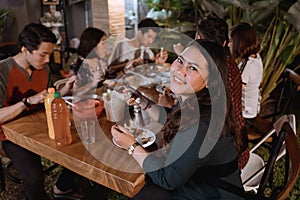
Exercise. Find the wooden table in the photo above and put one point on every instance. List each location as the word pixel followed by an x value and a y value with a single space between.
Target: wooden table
pixel 101 162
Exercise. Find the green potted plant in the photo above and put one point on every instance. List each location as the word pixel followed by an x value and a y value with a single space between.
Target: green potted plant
pixel 46 19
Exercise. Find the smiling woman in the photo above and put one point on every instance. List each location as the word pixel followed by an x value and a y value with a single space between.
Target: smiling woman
pixel 190 160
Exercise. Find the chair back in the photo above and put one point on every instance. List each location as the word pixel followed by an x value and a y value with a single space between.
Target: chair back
pixel 287 137
pixel 291 85
pixel 257 172
pixel 277 144
pixel 292 161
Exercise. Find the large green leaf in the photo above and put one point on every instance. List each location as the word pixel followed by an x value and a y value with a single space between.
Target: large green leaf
pixel 261 13
pixel 215 8
pixel 286 53
pixel 292 15
pixel 244 4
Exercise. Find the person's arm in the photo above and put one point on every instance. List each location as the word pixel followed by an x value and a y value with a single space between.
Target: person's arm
pixel 118 67
pixel 169 171
pixel 126 65
pixel 10 112
pixel 125 139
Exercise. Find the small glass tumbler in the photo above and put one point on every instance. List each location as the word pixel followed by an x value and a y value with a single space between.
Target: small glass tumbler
pixel 88 132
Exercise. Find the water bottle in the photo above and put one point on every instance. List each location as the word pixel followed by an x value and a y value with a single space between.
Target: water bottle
pixel 47 104
pixel 60 119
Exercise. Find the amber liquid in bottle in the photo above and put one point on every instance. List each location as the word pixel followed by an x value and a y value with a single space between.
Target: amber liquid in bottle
pixel 60 119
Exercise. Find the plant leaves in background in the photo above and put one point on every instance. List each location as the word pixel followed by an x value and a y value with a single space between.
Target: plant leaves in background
pixel 261 12
pixel 286 53
pixel 292 15
pixel 215 8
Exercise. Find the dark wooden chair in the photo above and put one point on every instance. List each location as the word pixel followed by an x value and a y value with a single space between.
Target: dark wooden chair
pixel 260 128
pixel 290 87
pixel 284 146
pixel 253 171
pixel 286 139
pixel 292 164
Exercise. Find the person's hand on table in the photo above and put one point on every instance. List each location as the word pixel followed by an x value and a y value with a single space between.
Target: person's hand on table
pixel 38 98
pixel 122 136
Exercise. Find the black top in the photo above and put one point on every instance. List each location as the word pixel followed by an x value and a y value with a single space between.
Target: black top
pixel 190 175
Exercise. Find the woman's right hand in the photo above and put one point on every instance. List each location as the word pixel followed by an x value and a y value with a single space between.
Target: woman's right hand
pixel 122 136
pixel 178 48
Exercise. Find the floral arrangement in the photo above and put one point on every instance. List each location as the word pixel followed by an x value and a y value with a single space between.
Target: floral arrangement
pixel 52 20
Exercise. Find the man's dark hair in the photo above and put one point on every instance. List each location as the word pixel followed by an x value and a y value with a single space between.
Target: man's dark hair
pixel 34 34
pixel 214 29
pixel 148 23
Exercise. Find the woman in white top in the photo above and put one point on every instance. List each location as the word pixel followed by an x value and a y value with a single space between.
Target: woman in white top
pixel 244 47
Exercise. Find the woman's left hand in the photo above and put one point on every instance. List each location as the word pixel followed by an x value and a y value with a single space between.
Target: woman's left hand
pixel 122 136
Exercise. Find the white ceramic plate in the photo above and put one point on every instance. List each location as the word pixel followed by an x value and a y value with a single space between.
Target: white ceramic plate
pixel 147 135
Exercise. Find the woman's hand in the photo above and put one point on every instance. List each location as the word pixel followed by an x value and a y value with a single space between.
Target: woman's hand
pixel 122 136
pixel 178 48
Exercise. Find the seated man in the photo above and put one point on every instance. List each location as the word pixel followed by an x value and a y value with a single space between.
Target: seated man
pixel 136 51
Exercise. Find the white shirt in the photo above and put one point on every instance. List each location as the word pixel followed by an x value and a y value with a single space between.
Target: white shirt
pixel 251 78
pixel 123 51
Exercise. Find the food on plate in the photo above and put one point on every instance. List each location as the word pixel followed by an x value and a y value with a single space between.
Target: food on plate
pixel 141 136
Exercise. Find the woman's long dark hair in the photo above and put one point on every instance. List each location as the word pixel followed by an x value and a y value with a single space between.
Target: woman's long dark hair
pixel 244 41
pixel 89 39
pixel 203 98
